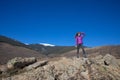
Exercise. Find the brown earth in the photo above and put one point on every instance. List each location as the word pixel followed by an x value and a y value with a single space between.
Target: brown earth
pixel 92 52
pixel 8 52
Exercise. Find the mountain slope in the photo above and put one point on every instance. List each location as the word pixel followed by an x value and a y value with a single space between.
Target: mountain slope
pixel 92 52
pixel 11 41
pixel 8 51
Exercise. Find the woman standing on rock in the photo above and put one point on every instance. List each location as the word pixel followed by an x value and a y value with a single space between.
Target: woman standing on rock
pixel 79 36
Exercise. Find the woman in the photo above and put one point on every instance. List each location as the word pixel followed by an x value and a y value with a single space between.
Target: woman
pixel 79 36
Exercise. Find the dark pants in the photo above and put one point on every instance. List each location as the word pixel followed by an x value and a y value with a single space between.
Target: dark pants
pixel 84 53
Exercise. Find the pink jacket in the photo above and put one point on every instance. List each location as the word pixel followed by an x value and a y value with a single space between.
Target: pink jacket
pixel 79 39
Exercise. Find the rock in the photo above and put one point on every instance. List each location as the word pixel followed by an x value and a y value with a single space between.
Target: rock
pixel 36 65
pixel 72 69
pixel 107 60
pixel 8 78
pixel 98 60
pixel 19 62
pixel 3 69
pixel 110 60
pixel 0 72
pixel 85 75
pixel 98 57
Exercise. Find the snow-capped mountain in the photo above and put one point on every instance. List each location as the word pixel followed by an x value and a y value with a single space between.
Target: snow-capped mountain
pixel 46 44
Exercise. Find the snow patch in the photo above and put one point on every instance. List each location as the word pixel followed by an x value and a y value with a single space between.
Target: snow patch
pixel 26 43
pixel 46 44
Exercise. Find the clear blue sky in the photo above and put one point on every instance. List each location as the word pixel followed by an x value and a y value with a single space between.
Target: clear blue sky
pixel 57 21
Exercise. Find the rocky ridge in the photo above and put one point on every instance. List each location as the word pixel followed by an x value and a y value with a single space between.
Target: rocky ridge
pixel 97 68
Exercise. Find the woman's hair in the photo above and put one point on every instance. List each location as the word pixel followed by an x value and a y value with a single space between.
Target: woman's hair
pixel 77 34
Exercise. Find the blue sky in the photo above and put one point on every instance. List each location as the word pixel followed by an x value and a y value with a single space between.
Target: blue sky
pixel 57 21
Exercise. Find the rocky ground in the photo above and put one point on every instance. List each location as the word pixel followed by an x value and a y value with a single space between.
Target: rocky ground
pixel 97 68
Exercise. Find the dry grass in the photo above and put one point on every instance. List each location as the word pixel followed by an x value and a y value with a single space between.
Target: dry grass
pixel 92 52
pixel 8 52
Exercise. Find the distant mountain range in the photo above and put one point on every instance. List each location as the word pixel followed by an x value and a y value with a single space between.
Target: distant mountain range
pixel 48 50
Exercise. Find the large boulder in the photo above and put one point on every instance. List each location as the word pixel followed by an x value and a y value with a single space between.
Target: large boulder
pixel 20 62
pixel 107 60
pixel 110 60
